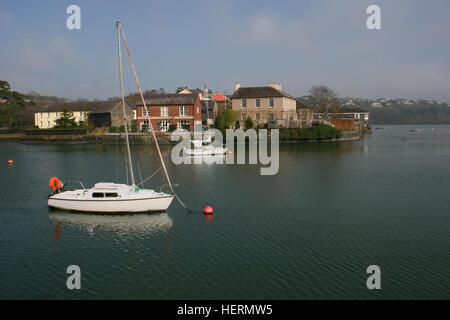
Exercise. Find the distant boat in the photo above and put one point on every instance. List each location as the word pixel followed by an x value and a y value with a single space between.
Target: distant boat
pixel 203 148
pixel 416 130
pixel 112 197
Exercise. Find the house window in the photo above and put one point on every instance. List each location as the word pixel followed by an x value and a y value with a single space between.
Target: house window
pixel 144 123
pixel 244 117
pixel 56 114
pixel 183 110
pixel 244 103
pixel 198 110
pixel 41 124
pixel 271 116
pixel 144 113
pixel 258 103
pixel 271 103
pixel 48 114
pixel 164 111
pixel 182 123
pixel 164 126
pixel 258 117
pixel 48 124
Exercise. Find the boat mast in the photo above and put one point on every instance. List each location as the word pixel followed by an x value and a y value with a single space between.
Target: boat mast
pixel 130 165
pixel 148 114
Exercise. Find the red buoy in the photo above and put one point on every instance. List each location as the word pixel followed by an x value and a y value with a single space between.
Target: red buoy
pixel 208 210
pixel 10 162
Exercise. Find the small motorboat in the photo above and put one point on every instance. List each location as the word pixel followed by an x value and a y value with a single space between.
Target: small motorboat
pixel 205 151
pixel 416 130
pixel 204 148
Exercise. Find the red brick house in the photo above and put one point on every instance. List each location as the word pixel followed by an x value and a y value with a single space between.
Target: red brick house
pixel 166 109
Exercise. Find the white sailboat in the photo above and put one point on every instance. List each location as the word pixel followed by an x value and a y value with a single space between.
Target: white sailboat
pixel 112 197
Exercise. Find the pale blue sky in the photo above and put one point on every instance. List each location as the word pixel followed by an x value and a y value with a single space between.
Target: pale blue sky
pixel 193 43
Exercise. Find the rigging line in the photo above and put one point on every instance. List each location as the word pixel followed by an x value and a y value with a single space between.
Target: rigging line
pixel 146 110
pixel 98 79
pixel 140 176
pixel 142 183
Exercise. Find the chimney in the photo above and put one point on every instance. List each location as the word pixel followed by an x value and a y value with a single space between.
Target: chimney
pixel 275 85
pixel 236 86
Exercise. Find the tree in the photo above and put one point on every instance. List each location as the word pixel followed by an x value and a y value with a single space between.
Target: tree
pixel 249 123
pixel 66 120
pixel 324 100
pixel 11 102
pixel 226 119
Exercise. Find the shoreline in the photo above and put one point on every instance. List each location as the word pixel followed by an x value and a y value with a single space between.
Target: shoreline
pixel 134 139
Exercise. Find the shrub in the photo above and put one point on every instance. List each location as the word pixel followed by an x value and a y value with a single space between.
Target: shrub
pixel 249 123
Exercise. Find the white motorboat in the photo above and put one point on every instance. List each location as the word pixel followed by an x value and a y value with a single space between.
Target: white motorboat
pixel 204 148
pixel 111 197
pixel 205 151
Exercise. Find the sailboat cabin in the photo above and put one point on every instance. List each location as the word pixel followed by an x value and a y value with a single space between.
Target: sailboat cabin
pixel 178 110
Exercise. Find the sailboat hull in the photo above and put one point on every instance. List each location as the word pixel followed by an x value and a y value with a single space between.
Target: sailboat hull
pixel 111 206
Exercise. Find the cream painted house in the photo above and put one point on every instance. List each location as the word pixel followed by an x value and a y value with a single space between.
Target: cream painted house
pixel 46 119
pixel 264 104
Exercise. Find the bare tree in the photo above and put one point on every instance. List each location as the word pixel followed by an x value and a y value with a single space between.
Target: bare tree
pixel 324 100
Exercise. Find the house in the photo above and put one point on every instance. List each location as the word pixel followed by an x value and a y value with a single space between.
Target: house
pixel 263 105
pixel 98 113
pixel 305 115
pixel 218 97
pixel 204 95
pixel 170 109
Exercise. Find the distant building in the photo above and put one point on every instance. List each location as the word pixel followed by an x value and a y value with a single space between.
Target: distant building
pixel 305 115
pixel 170 109
pixel 204 95
pixel 99 113
pixel 263 105
pixel 218 97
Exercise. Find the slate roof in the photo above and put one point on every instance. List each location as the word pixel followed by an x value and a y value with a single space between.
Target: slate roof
pixel 260 92
pixel 169 99
pixel 91 106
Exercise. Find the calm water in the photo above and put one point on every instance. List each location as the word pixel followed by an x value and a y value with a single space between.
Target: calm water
pixel 308 232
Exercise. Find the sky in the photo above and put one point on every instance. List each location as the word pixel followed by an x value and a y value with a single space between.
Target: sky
pixel 216 43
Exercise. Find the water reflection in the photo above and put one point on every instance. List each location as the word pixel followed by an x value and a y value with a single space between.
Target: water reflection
pixel 121 224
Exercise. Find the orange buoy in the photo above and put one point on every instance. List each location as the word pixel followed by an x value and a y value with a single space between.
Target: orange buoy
pixel 53 181
pixel 208 210
pixel 10 162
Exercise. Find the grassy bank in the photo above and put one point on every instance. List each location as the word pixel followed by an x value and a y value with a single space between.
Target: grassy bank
pixel 314 133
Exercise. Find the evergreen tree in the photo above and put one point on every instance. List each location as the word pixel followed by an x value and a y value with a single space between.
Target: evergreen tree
pixel 66 120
